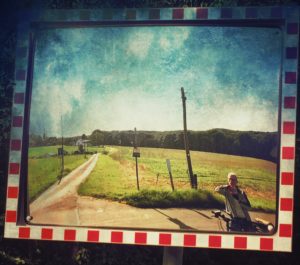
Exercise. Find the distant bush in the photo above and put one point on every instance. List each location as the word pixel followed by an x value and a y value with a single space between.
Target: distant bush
pixel 105 152
pixel 117 156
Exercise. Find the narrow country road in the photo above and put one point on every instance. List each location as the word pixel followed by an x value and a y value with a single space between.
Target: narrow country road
pixel 64 193
pixel 61 205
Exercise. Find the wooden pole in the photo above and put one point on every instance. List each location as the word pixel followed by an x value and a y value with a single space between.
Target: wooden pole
pixel 137 173
pixel 62 151
pixel 135 138
pixel 186 140
pixel 170 173
pixel 136 161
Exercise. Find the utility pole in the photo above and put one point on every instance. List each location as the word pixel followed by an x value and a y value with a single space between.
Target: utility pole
pixel 186 143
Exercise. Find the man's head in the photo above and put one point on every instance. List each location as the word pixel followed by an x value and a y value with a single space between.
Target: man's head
pixel 232 179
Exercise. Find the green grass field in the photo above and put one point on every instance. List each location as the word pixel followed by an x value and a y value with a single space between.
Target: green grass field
pixel 114 178
pixel 43 172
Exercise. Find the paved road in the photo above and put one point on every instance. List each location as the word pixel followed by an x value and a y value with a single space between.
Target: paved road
pixel 62 195
pixel 61 205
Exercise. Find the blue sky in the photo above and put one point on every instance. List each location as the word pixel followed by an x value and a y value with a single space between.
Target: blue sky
pixel 118 78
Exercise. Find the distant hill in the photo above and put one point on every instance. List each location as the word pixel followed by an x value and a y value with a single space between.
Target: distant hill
pixel 244 143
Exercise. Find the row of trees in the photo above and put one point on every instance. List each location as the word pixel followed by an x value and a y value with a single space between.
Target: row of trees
pixel 253 144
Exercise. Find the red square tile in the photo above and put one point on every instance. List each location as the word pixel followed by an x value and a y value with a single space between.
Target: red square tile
pixel 165 239
pixel 15 145
pixel 287 178
pixel 47 233
pixel 70 235
pixel 131 14
pixel 291 52
pixel 251 12
pixel 116 237
pixel 290 77
pixel 215 241
pixel 93 236
pixel 202 13
pixel 14 168
pixel 276 12
pixel 266 244
pixel 286 204
pixel 288 152
pixel 11 216
pixel 290 102
pixel 12 192
pixel 289 127
pixel 285 230
pixel 178 13
pixel 189 240
pixel 17 121
pixel 226 12
pixel 19 98
pixel 240 242
pixel 292 28
pixel 24 232
pixel 140 238
pixel 21 75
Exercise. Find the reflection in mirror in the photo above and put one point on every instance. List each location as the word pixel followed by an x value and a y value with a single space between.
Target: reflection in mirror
pixel 107 143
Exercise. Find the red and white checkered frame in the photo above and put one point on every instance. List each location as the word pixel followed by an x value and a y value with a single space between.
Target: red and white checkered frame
pixel 280 241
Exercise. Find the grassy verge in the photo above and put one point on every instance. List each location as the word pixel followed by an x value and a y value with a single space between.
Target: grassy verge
pixel 114 178
pixel 43 172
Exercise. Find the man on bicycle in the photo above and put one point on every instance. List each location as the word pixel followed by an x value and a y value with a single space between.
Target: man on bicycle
pixel 237 205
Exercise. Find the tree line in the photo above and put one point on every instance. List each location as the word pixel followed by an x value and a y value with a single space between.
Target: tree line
pixel 261 145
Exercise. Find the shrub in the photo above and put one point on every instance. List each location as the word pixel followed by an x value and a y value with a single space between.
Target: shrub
pixel 166 199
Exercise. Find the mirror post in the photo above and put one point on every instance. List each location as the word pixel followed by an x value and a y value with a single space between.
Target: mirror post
pixel 172 256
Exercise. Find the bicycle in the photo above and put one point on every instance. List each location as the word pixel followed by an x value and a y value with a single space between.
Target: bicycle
pixel 240 225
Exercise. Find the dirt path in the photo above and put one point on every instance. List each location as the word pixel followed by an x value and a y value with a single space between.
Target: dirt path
pixel 63 194
pixel 61 205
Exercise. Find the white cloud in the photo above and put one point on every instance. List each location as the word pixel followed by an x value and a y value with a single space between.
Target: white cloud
pixel 165 43
pixel 128 109
pixel 234 114
pixel 139 44
pixel 173 38
pixel 51 101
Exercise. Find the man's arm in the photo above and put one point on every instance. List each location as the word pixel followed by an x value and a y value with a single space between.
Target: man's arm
pixel 222 189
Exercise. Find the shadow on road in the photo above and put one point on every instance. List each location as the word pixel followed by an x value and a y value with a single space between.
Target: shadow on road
pixel 176 221
pixel 202 214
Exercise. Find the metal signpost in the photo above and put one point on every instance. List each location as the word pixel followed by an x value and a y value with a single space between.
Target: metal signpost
pixel 170 173
pixel 136 153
